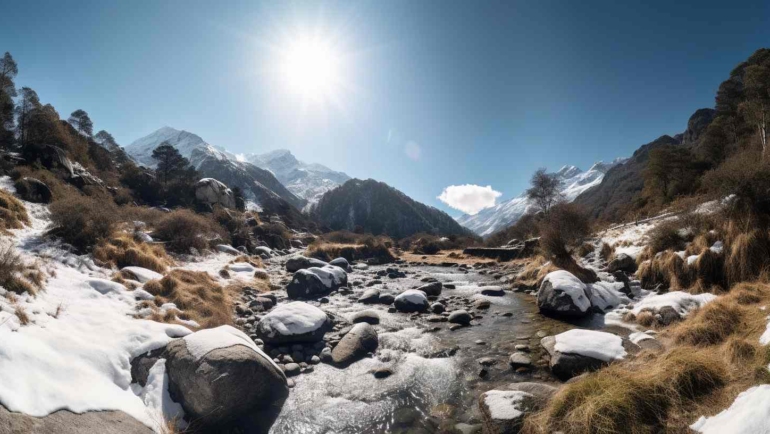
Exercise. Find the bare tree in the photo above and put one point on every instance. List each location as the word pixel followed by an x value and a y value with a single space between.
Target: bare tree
pixel 545 191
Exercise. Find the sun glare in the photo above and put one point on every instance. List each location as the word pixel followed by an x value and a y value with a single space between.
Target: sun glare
pixel 312 69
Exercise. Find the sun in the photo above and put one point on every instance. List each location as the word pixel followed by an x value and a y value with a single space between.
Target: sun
pixel 311 68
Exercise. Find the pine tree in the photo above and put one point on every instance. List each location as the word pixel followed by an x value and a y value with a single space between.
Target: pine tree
pixel 81 122
pixel 172 165
pixel 27 104
pixel 8 71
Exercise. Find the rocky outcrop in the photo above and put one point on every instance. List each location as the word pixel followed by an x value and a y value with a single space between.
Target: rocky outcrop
pixel 697 124
pixel 222 380
pixel 211 192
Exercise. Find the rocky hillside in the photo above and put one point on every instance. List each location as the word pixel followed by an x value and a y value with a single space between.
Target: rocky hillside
pixel 257 184
pixel 307 181
pixel 623 184
pixel 498 217
pixel 380 209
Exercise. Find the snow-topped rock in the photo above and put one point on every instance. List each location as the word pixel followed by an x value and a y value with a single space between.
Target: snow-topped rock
pixel 681 302
pixel 563 294
pixel 142 275
pixel 316 281
pixel 411 300
pixel 576 351
pixel 293 322
pixel 212 192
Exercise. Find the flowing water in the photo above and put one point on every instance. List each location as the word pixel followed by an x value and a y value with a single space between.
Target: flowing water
pixel 436 374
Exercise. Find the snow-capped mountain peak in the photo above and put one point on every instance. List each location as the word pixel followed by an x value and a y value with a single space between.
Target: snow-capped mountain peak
pixel 506 213
pixel 184 141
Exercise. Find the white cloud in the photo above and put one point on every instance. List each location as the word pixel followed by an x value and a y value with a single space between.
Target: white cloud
pixel 469 198
pixel 413 150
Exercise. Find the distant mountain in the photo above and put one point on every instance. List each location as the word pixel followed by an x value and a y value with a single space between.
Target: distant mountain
pixel 500 216
pixel 308 181
pixel 380 209
pixel 259 185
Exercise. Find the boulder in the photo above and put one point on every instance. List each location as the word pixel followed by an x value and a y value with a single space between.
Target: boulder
pixel 263 250
pixel 577 351
pixel 230 250
pixel 493 291
pixel 411 300
pixel 209 191
pixel 300 262
pixel 622 262
pixel 431 289
pixel 563 294
pixel 224 381
pixel 367 316
pixel 33 190
pixel 342 263
pixel 460 317
pixel 355 345
pixel 503 410
pixel 371 295
pixel 316 282
pixel 293 322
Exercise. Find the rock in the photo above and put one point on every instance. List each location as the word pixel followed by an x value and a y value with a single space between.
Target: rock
pixel 504 411
pixel 326 355
pixel 367 316
pixel 355 345
pixel 67 422
pixel 622 262
pixel 386 299
pixel 493 291
pixel 141 365
pixel 222 379
pixel 411 300
pixel 577 351
pixel 315 282
pixel 300 262
pixel 263 250
pixel 461 317
pixel 143 237
pixel 342 263
pixel 520 360
pixel 212 192
pixel 437 308
pixel 382 372
pixel 141 275
pixel 622 277
pixel 431 289
pixel 668 315
pixel 563 294
pixel 291 369
pixel 293 322
pixel 33 190
pixel 226 248
pixel 369 296
pixel 481 304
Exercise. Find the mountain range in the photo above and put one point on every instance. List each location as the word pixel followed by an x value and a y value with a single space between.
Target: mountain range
pixel 275 175
pixel 574 181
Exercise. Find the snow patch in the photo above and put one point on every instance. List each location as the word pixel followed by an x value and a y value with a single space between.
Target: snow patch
pixel 505 404
pixel 590 343
pixel 682 302
pixel 748 414
pixel 143 275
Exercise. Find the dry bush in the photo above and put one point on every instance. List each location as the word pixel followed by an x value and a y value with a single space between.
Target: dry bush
pixel 565 228
pixel 83 221
pixel 197 294
pixel 372 248
pixel 17 277
pixel 122 250
pixel 747 293
pixel 533 273
pixel 150 216
pixel 631 398
pixel 585 249
pixel 666 270
pixel 59 188
pixel 748 256
pixel 606 252
pixel 525 228
pixel 254 261
pixel 13 214
pixel 666 236
pixel 183 230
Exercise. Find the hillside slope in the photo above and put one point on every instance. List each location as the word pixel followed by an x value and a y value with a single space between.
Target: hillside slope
pixel 380 209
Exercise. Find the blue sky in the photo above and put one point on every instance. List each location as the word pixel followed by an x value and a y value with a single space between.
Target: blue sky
pixel 434 93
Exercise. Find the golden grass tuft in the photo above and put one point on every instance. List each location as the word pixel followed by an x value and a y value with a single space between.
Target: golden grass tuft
pixel 606 252
pixel 372 248
pixel 16 276
pixel 747 257
pixel 708 271
pixel 533 273
pixel 21 314
pixel 13 214
pixel 666 269
pixel 254 261
pixel 701 243
pixel 585 249
pixel 645 318
pixel 122 250
pixel 197 294
pixel 712 324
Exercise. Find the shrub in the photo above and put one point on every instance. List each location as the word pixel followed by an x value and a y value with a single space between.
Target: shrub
pixel 197 294
pixel 123 250
pixel 564 228
pixel 83 221
pixel 585 249
pixel 183 230
pixel 666 235
pixel 708 271
pixel 13 214
pixel 13 270
pixel 748 256
pixel 606 252
pixel 666 270
pixel 275 235
pixel 372 248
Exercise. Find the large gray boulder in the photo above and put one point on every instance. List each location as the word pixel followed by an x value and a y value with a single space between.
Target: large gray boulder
pixel 316 282
pixel 577 351
pixel 293 322
pixel 503 410
pixel 355 345
pixel 299 262
pixel 411 300
pixel 212 192
pixel 224 381
pixel 563 294
pixel 622 262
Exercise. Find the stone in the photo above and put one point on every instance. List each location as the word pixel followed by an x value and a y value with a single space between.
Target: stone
pixel 493 291
pixel 230 250
pixel 411 300
pixel 503 410
pixel 437 308
pixel 355 345
pixel 225 386
pixel 316 282
pixel 367 316
pixel 520 360
pixel 369 296
pixel 563 294
pixel 212 192
pixel 293 322
pixel 461 317
pixel 386 299
pixel 342 263
pixel 382 372
pixel 431 289
pixel 622 262
pixel 300 262
pixel 482 304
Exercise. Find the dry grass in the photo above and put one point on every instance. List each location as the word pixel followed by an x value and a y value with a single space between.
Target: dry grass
pixel 747 257
pixel 453 256
pixel 16 276
pixel 197 294
pixel 666 236
pixel 712 324
pixel 701 243
pixel 533 273
pixel 83 221
pixel 123 250
pixel 184 230
pixel 606 252
pixel 21 314
pixel 585 249
pixel 371 249
pixel 13 214
pixel 708 272
pixel 666 270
